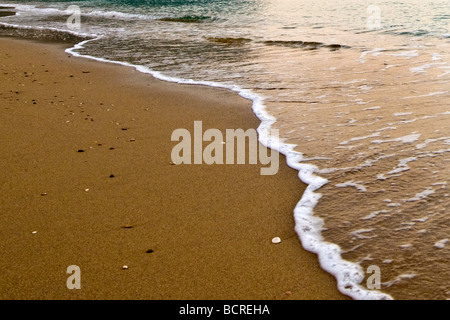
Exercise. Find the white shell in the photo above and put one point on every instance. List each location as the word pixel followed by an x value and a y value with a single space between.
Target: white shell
pixel 276 240
pixel 125 267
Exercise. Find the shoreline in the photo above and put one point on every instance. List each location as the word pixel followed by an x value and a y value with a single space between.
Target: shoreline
pixel 229 256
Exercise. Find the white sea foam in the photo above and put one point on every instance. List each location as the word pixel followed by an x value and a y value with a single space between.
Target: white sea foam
pixel 407 54
pixel 375 52
pixel 399 279
pixel 374 214
pixel 427 95
pixel 373 135
pixel 422 68
pixel 119 15
pixel 372 108
pixel 354 184
pixel 436 56
pixel 360 233
pixel 428 141
pixel 399 114
pixel 402 165
pixel 405 139
pixel 441 243
pixel 421 195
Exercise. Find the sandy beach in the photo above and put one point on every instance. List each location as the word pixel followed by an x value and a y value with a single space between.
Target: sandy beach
pixel 87 181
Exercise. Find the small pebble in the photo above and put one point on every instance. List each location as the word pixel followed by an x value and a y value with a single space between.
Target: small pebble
pixel 127 226
pixel 80 150
pixel 125 267
pixel 111 176
pixel 288 293
pixel 43 194
pixel 276 240
pixel 149 251
pixel 34 232
pixel 86 190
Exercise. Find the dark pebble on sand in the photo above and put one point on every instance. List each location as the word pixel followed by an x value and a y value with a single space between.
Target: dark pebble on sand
pixel 149 251
pixel 111 176
pixel 80 150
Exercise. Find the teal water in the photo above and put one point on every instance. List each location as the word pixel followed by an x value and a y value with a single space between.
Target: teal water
pixel 359 89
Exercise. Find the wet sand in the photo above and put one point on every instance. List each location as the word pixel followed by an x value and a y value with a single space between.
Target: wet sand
pixel 87 181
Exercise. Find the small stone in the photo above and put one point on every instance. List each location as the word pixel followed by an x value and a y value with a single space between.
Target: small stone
pixel 132 140
pixel 149 251
pixel 172 163
pixel 80 150
pixel 125 267
pixel 288 293
pixel 43 194
pixel 127 226
pixel 34 232
pixel 276 240
pixel 86 190
pixel 111 176
pixel 111 148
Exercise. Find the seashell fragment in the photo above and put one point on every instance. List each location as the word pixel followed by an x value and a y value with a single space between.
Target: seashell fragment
pixel 276 240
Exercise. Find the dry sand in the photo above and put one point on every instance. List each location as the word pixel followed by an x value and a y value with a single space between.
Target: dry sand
pixel 209 227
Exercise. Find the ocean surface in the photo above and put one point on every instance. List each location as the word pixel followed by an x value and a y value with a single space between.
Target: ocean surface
pixel 359 91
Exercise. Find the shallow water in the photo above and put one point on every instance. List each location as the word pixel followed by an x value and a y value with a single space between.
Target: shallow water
pixel 364 103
